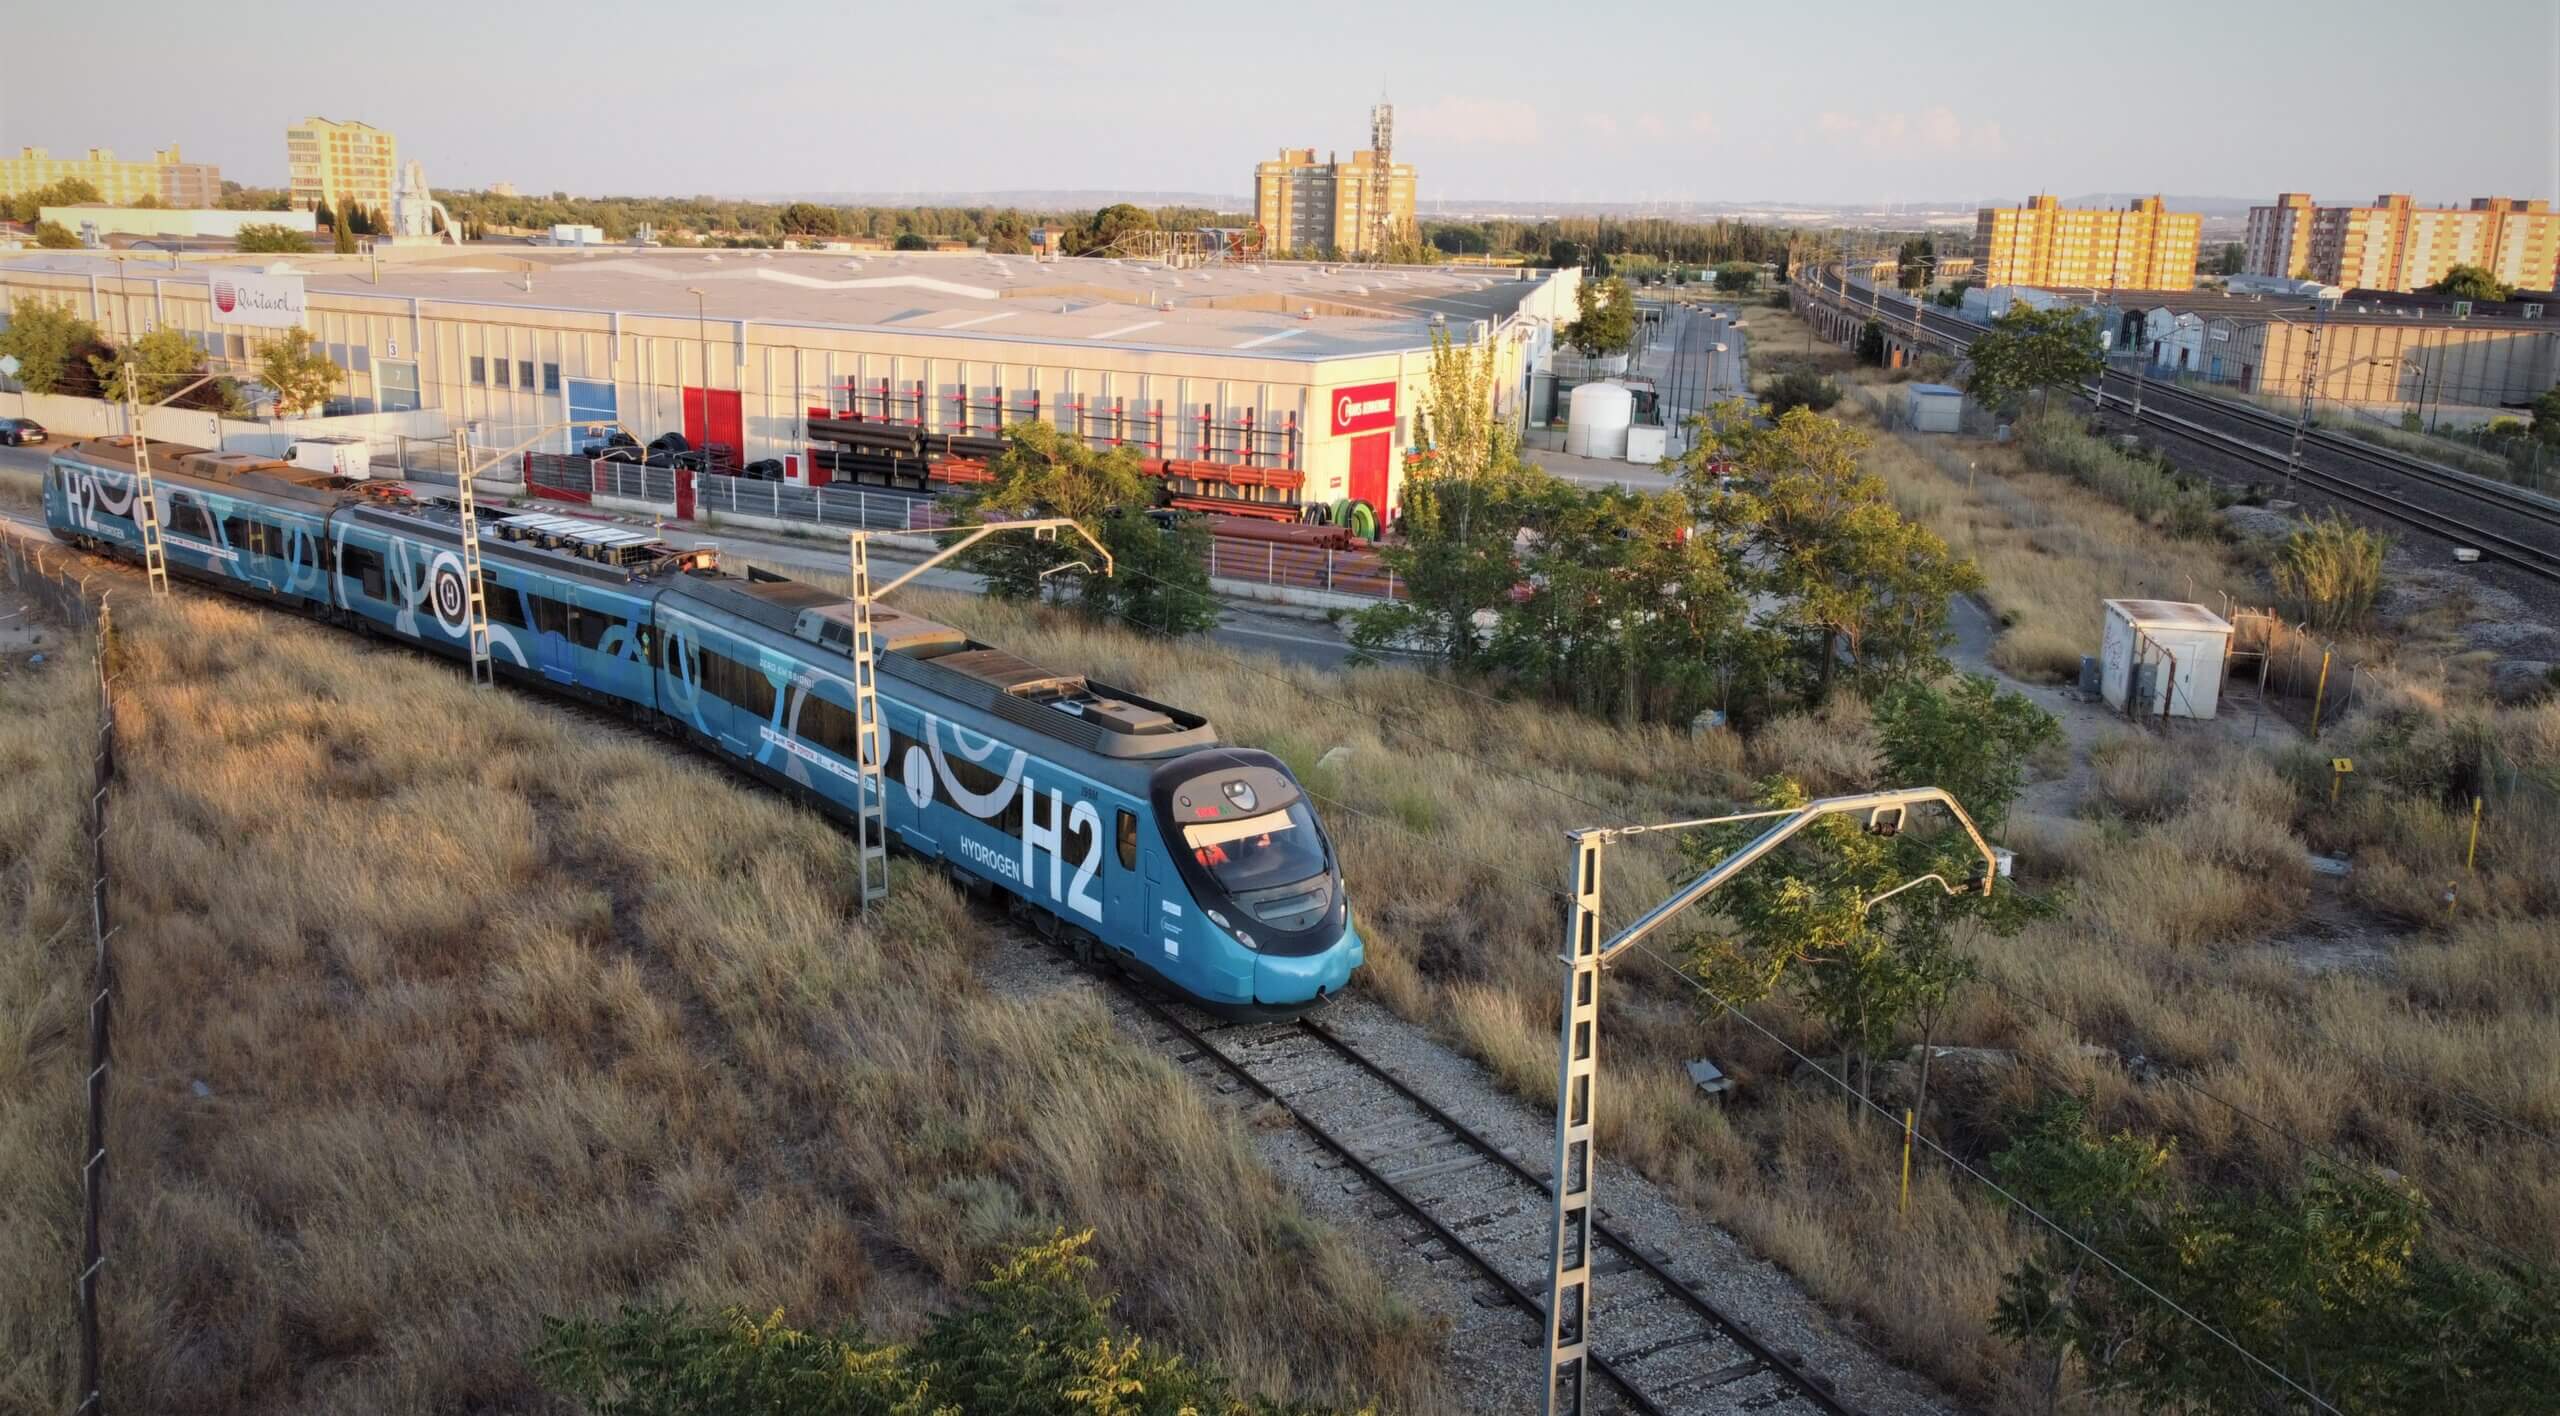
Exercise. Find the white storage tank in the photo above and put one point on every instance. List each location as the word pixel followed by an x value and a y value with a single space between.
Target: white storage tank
pixel 1596 420
pixel 1935 408
pixel 2164 657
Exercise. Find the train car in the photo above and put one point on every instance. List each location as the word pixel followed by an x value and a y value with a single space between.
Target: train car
pixel 1109 819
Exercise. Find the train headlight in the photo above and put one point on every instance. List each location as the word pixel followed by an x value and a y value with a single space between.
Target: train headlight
pixel 1241 937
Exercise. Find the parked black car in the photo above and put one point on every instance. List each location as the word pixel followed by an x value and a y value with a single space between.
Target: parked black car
pixel 18 432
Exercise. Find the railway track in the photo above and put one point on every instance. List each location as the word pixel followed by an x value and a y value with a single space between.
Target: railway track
pixel 1662 1348
pixel 2344 469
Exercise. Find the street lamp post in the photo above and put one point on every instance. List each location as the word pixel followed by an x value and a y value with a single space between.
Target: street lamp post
pixel 702 337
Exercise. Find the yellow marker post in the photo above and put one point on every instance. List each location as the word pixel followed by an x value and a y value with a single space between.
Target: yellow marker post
pixel 1906 1159
pixel 2473 852
pixel 2339 767
pixel 2321 695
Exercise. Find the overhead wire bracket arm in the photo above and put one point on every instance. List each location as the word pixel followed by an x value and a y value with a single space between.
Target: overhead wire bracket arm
pixel 1037 525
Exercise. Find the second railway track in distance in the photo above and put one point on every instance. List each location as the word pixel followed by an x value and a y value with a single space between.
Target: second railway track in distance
pixel 1662 1348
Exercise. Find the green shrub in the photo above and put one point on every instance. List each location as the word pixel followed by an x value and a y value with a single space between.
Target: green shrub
pixel 2170 500
pixel 1800 389
pixel 2329 572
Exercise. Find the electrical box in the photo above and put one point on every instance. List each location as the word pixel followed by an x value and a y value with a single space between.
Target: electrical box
pixel 2163 658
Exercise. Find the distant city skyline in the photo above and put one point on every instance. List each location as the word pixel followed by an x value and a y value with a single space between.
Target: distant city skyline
pixel 1498 101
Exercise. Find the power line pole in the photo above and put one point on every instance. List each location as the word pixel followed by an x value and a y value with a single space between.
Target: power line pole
pixel 1570 1274
pixel 2310 390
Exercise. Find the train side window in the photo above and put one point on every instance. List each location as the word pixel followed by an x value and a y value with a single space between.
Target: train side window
pixel 549 615
pixel 186 518
pixel 504 607
pixel 828 725
pixel 587 628
pixel 1128 840
pixel 754 693
pixel 363 564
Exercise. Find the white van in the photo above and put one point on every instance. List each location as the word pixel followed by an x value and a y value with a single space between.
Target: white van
pixel 340 456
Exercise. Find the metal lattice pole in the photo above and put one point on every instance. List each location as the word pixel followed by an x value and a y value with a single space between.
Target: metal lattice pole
pixel 146 500
pixel 873 817
pixel 2310 390
pixel 475 601
pixel 1578 1044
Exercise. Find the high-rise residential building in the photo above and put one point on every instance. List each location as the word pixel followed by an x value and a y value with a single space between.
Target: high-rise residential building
pixel 2141 246
pixel 341 162
pixel 167 176
pixel 2395 244
pixel 1354 208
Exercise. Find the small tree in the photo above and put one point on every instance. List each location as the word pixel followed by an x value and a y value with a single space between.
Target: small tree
pixel 1916 262
pixel 2028 350
pixel 1871 343
pixel 271 236
pixel 301 376
pixel 164 361
pixel 321 215
pixel 27 206
pixel 1159 581
pixel 54 236
pixel 1045 472
pixel 343 238
pixel 1606 318
pixel 1969 736
pixel 1737 278
pixel 2546 417
pixel 55 348
pixel 2470 282
pixel 2232 259
pixel 810 219
pixel 910 241
pixel 1105 228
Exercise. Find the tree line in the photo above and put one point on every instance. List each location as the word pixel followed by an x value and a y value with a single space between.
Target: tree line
pixel 59 352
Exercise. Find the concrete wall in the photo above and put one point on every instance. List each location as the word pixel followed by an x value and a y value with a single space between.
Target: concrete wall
pixel 68 418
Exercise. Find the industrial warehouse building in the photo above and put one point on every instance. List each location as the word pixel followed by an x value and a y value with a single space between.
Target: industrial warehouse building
pixel 1304 377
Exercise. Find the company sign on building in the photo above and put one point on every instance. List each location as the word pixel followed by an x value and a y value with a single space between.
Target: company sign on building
pixel 248 298
pixel 1362 407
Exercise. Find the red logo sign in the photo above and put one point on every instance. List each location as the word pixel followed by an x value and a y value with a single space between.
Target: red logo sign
pixel 226 298
pixel 1363 407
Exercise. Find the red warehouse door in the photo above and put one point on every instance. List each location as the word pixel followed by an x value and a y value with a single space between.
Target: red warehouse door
pixel 1369 458
pixel 722 426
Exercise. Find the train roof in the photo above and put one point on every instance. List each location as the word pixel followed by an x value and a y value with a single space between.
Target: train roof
pixel 1068 707
pixel 247 471
pixel 567 545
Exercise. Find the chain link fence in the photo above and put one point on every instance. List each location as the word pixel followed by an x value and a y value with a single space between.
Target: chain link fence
pixel 52 580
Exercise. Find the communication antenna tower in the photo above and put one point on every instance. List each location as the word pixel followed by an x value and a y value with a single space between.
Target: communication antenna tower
pixel 1382 144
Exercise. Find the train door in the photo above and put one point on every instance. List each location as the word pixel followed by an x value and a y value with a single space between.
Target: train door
pixel 1125 892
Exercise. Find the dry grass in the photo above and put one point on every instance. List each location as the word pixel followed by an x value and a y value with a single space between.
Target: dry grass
pixel 47 714
pixel 21 488
pixel 2050 551
pixel 502 1012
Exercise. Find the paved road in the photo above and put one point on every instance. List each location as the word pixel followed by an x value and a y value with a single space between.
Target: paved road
pixel 1691 370
pixel 1245 628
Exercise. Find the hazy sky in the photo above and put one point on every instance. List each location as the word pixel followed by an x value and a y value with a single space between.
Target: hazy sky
pixel 2343 98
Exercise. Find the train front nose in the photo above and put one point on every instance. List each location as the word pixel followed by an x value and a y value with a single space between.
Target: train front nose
pixel 1283 979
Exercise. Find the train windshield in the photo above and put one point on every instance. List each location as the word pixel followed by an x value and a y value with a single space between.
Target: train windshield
pixel 1275 848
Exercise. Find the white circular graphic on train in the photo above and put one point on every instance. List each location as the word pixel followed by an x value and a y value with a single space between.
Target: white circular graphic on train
pixel 452 604
pixel 917 770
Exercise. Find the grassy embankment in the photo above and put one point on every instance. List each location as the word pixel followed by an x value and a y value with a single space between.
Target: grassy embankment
pixel 48 715
pixel 501 1012
pixel 2180 867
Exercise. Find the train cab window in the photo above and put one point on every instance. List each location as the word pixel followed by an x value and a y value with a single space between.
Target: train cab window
pixel 1128 840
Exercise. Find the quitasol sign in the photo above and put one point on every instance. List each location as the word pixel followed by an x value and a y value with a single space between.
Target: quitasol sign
pixel 247 298
pixel 1363 407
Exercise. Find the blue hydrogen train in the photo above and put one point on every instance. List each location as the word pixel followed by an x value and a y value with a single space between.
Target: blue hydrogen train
pixel 1110 818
